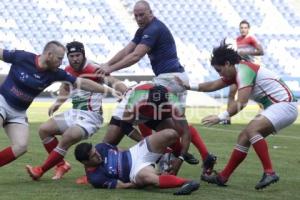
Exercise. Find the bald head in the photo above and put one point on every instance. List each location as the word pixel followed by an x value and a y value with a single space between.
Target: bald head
pixel 142 5
pixel 52 45
pixel 142 13
pixel 52 55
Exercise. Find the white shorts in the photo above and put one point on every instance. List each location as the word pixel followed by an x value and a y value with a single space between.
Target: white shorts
pixel 120 109
pixel 88 120
pixel 11 115
pixel 141 157
pixel 168 80
pixel 281 114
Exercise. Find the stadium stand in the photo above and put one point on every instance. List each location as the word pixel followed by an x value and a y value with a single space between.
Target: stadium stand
pixel 197 25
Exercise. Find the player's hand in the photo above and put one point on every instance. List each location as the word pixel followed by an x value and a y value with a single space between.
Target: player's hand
pixel 175 166
pixel 210 120
pixel 53 109
pixel 103 69
pixel 181 83
pixel 100 75
pixel 117 94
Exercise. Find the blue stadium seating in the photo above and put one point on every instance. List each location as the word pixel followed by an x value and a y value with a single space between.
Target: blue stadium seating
pixel 197 26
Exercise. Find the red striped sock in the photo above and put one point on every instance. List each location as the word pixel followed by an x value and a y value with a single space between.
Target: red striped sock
pixel 235 160
pixel 53 159
pixel 171 181
pixel 6 156
pixel 198 142
pixel 50 144
pixel 261 148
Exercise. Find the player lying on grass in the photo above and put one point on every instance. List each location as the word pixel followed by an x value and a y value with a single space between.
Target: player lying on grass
pixel 261 85
pixel 108 167
pixel 208 159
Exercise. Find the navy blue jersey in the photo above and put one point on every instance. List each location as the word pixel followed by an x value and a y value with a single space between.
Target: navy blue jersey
pixel 163 54
pixel 116 166
pixel 26 79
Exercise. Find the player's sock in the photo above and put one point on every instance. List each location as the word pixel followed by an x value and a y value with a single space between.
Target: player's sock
pixel 176 148
pixel 238 155
pixel 6 156
pixel 171 181
pixel 198 142
pixel 145 130
pixel 55 157
pixel 50 143
pixel 261 148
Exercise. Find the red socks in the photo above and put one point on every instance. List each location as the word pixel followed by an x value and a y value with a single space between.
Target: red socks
pixel 6 156
pixel 55 157
pixel 238 155
pixel 261 148
pixel 198 142
pixel 171 181
pixel 50 143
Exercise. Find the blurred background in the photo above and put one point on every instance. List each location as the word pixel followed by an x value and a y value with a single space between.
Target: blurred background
pixel 105 26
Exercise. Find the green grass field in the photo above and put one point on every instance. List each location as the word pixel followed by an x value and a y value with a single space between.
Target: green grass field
pixel 284 148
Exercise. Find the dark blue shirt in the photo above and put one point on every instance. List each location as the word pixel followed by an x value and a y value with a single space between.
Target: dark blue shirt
pixel 26 79
pixel 163 54
pixel 116 166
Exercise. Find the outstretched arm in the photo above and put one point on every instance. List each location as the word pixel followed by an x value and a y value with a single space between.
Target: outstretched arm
pixel 234 108
pixel 122 53
pixel 116 84
pixel 130 59
pixel 92 86
pixel 209 86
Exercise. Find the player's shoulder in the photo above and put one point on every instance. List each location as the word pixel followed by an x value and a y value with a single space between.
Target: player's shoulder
pixel 155 25
pixel 68 68
pixel 21 54
pixel 251 37
pixel 90 66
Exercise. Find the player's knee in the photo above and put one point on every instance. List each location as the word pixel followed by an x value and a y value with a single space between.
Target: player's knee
pixel 243 137
pixel 44 131
pixel 143 180
pixel 247 133
pixel 171 134
pixel 19 149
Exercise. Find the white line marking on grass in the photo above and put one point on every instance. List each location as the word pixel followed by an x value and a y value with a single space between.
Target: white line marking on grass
pixel 235 131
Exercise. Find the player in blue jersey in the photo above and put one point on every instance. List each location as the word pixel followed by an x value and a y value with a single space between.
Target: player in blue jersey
pixel 108 167
pixel 155 39
pixel 29 75
pixel 80 122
